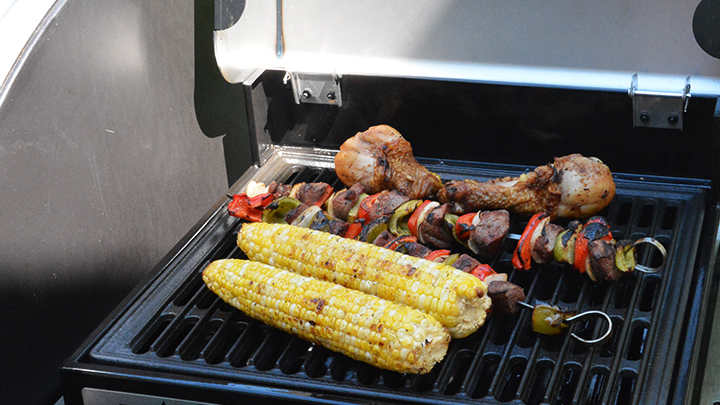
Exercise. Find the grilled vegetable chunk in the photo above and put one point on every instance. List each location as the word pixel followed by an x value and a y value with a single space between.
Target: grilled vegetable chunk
pixel 359 325
pixel 457 299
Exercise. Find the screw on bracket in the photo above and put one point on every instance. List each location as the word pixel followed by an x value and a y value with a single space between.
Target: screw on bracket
pixel 644 116
pixel 331 96
pixel 673 119
pixel 307 93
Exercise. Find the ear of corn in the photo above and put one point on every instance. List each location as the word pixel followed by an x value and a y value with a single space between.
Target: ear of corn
pixel 359 325
pixel 457 299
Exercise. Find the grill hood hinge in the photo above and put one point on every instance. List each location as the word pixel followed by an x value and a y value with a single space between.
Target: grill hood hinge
pixel 659 109
pixel 315 88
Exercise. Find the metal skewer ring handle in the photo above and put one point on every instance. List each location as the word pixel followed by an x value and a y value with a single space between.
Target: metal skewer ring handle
pixel 582 316
pixel 659 246
pixel 589 314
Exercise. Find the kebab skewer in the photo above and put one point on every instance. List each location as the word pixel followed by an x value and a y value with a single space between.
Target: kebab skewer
pixel 588 248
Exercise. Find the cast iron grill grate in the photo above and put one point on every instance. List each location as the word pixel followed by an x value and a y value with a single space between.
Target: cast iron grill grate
pixel 182 327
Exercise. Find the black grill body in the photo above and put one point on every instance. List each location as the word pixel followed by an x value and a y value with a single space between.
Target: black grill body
pixel 174 339
pixel 176 328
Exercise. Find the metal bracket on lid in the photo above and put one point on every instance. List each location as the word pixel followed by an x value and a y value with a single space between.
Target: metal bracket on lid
pixel 659 109
pixel 315 88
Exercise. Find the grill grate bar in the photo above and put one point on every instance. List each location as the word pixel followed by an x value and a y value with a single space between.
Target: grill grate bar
pixel 591 364
pixel 638 225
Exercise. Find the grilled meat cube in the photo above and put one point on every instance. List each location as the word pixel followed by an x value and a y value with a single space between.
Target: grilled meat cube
pixel 489 233
pixel 505 297
pixel 338 227
pixel 279 190
pixel 602 261
pixel 413 249
pixel 294 213
pixel 432 230
pixel 385 204
pixel 542 250
pixel 311 193
pixel 466 263
pixel 384 239
pixel 503 294
pixel 343 201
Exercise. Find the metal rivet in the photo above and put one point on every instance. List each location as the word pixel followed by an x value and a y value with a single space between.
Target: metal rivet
pixel 331 96
pixel 673 119
pixel 307 93
pixel 644 116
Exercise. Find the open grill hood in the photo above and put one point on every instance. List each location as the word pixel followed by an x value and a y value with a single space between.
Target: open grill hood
pixel 586 45
pixel 466 116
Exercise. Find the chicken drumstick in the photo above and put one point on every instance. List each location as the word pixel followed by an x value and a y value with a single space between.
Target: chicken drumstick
pixel 574 186
pixel 381 159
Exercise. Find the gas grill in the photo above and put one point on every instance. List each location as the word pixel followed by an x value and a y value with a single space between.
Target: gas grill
pixel 175 341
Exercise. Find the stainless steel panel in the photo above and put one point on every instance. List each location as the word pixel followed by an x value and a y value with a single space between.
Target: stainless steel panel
pixel 584 44
pixel 104 166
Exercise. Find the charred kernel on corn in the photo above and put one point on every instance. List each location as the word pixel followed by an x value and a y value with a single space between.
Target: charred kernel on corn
pixel 455 298
pixel 409 341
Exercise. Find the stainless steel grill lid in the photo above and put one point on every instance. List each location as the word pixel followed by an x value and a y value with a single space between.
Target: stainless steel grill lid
pixel 583 45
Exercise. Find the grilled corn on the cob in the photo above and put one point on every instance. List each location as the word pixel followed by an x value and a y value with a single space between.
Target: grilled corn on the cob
pixel 359 325
pixel 455 298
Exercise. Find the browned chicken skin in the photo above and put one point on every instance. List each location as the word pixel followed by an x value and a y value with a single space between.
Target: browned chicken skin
pixel 381 159
pixel 573 186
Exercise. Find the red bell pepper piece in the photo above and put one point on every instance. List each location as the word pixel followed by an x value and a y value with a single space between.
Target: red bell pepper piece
pixel 583 239
pixel 260 200
pixel 464 226
pixel 249 208
pixel 328 192
pixel 436 254
pixel 413 221
pixel 354 230
pixel 400 240
pixel 581 253
pixel 365 205
pixel 482 271
pixel 522 257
